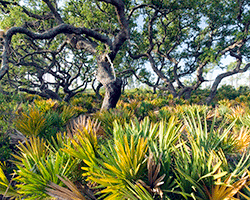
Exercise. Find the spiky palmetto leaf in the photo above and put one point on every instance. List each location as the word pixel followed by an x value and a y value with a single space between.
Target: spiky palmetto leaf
pixel 200 174
pixel 245 120
pixel 120 163
pixel 91 127
pixel 154 181
pixel 208 136
pixel 85 122
pixel 67 113
pixel 135 128
pixel 6 188
pixel 108 117
pixel 222 190
pixel 46 105
pixel 245 192
pixel 38 164
pixel 33 149
pixel 243 138
pixel 57 143
pixel 161 137
pixel 236 113
pixel 136 192
pixel 191 164
pixel 168 135
pixel 31 124
pixel 192 109
pixel 72 192
pixel 84 144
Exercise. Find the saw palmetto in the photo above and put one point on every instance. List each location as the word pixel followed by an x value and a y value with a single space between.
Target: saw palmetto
pixel 154 181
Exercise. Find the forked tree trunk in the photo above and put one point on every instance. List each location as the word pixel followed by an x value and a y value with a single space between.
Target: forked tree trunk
pixel 51 94
pixel 187 94
pixel 219 78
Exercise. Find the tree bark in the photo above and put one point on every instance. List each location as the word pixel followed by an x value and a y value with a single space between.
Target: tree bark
pixel 52 95
pixel 187 93
pixel 97 90
pixel 69 96
pixel 215 85
pixel 112 94
pixel 106 76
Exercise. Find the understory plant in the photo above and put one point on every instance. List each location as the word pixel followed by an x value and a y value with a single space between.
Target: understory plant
pixel 196 153
pixel 38 163
pixel 44 118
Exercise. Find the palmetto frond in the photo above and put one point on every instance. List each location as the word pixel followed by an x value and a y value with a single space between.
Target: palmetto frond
pixel 119 164
pixel 72 192
pixel 83 122
pixel 6 188
pixel 154 181
pixel 242 138
pixel 38 164
pixel 224 190
pixel 31 124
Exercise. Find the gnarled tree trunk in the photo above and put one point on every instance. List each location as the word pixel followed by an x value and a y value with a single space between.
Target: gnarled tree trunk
pixel 106 76
pixel 112 94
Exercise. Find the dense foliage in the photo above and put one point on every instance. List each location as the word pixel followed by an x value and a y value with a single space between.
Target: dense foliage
pixel 151 146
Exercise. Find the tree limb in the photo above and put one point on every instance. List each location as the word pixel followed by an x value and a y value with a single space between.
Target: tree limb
pixel 63 28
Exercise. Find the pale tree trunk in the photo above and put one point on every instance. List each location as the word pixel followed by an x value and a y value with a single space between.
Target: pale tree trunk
pixel 106 76
pixel 112 94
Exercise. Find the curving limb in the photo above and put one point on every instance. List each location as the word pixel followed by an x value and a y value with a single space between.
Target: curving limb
pixel 61 29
